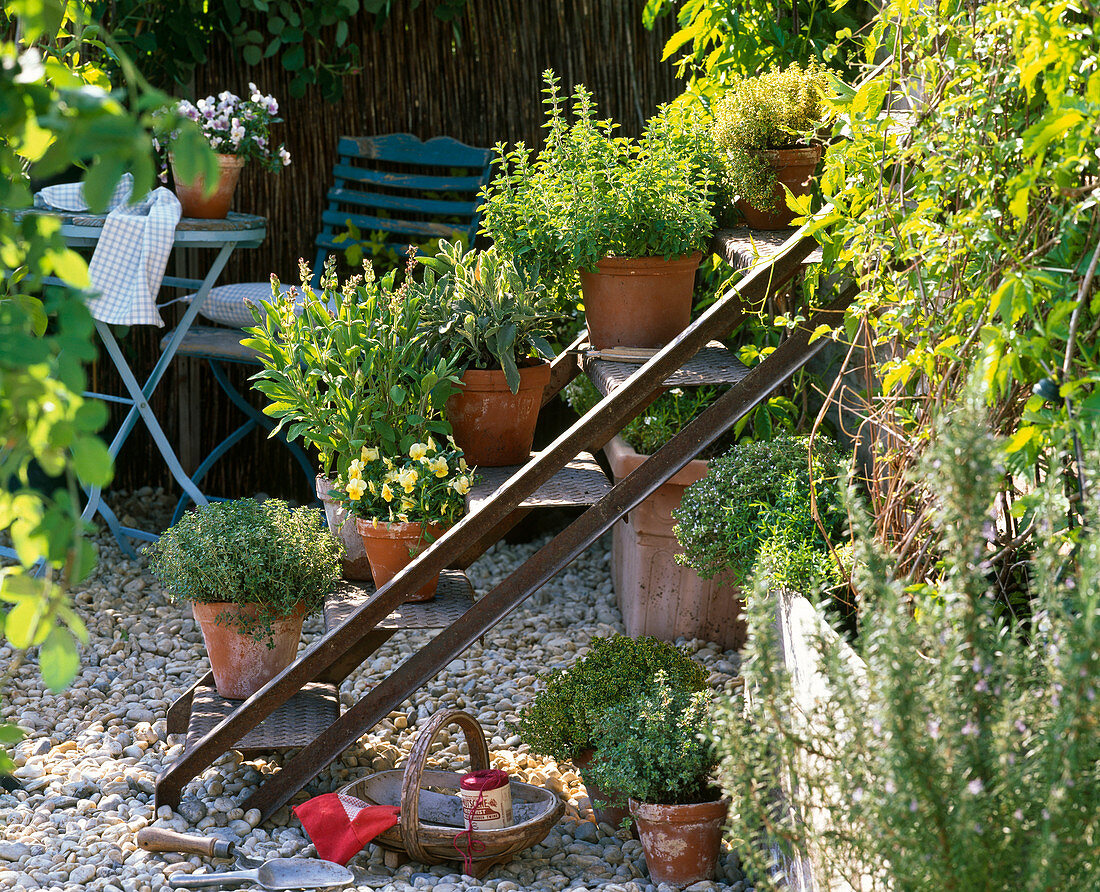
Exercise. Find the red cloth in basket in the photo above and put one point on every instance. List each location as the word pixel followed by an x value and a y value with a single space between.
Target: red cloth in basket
pixel 340 826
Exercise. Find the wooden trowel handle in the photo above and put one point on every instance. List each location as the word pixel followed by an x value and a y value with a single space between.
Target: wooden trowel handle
pixel 157 839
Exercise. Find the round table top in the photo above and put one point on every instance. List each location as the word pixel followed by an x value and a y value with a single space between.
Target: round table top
pixel 83 229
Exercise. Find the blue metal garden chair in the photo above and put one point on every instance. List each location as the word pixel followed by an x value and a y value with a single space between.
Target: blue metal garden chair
pixel 388 190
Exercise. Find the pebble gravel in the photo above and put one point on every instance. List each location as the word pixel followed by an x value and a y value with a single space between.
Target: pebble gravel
pixel 88 764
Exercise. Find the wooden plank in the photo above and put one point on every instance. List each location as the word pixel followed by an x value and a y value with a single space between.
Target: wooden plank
pixel 439 151
pixel 407 203
pixel 746 249
pixel 419 182
pixel 368 223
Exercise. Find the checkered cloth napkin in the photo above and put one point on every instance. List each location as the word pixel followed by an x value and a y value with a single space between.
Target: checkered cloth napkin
pixel 128 263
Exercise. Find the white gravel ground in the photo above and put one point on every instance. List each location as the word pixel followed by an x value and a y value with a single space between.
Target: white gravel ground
pixel 92 753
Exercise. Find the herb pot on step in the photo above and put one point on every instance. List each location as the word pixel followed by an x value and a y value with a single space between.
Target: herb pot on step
pixel 391 547
pixel 354 564
pixel 605 814
pixel 681 842
pixel 794 168
pixel 492 425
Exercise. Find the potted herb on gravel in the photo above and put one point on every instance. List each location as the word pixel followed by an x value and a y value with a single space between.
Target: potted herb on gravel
pixel 766 128
pixel 492 320
pixel 656 750
pixel 347 368
pixel 252 572
pixel 402 502
pixel 631 216
pixel 562 720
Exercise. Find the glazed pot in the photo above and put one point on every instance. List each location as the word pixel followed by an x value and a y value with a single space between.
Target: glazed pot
pixel 242 665
pixel 638 301
pixel 794 168
pixel 215 206
pixel 681 842
pixel 492 425
pixel 354 563
pixel 605 814
pixel 391 547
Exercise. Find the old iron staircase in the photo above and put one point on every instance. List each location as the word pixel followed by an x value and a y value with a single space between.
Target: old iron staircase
pixel 300 707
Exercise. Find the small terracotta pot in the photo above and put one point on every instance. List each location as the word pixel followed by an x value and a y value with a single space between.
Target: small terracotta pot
pixel 242 665
pixel 193 197
pixel 391 547
pixel 681 842
pixel 492 425
pixel 605 814
pixel 638 301
pixel 794 168
pixel 354 563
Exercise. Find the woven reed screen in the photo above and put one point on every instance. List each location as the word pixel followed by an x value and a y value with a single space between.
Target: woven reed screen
pixel 415 77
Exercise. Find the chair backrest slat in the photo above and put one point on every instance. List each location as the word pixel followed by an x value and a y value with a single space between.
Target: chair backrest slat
pixel 405 148
pixel 355 198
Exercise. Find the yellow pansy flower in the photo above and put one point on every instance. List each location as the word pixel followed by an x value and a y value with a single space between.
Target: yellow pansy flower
pixel 369 454
pixel 371 486
pixel 407 505
pixel 356 488
pixel 462 466
pixel 431 444
pixel 418 451
pixel 355 470
pixel 438 466
pixel 387 493
pixel 408 479
pixel 391 476
pixel 461 485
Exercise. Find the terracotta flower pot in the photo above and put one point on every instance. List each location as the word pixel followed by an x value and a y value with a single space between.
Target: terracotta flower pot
pixel 354 563
pixel 391 547
pixel 241 664
pixel 794 168
pixel 605 814
pixel 492 425
pixel 193 197
pixel 681 842
pixel 638 301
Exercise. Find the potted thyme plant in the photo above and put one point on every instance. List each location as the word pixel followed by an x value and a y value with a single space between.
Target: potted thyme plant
pixel 239 131
pixel 766 127
pixel 655 750
pixel 252 572
pixel 631 216
pixel 562 720
pixel 494 321
pixel 347 368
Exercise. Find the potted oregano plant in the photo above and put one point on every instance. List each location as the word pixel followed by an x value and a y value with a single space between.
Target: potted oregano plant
pixel 562 720
pixel 766 127
pixel 630 216
pixel 656 751
pixel 252 572
pixel 493 321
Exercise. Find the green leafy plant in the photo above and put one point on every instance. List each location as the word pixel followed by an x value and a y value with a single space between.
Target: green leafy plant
pixel 484 313
pixel 780 109
pixel 963 753
pixel 348 368
pixel 562 722
pixel 589 194
pixel 758 492
pixel 249 552
pixel 427 485
pixel 656 747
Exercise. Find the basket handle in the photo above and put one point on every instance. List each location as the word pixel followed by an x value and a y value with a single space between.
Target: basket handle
pixel 414 770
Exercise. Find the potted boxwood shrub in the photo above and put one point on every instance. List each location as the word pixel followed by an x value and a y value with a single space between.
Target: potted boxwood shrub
pixel 656 750
pixel 403 502
pixel 561 721
pixel 631 216
pixel 766 128
pixel 494 321
pixel 252 572
pixel 346 368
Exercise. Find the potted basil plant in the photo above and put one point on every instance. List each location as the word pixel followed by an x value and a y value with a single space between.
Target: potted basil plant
pixel 631 217
pixel 494 321
pixel 252 572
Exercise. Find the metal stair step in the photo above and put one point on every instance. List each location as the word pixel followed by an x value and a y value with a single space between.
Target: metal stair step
pixel 714 364
pixel 580 483
pixel 453 597
pixel 296 723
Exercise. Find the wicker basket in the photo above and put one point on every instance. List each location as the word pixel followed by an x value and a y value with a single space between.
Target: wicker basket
pixel 431 811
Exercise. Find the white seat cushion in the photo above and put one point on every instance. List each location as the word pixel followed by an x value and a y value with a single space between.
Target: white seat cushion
pixel 226 303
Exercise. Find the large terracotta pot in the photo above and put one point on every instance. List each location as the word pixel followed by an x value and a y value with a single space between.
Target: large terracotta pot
pixel 605 814
pixel 794 168
pixel 354 563
pixel 391 547
pixel 492 425
pixel 242 665
pixel 638 301
pixel 681 842
pixel 658 596
pixel 193 197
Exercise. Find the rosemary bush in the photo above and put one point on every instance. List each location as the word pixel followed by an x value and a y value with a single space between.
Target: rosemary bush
pixel 779 109
pixel 563 720
pixel 657 748
pixel 590 193
pixel 756 499
pixel 249 552
pixel 965 758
